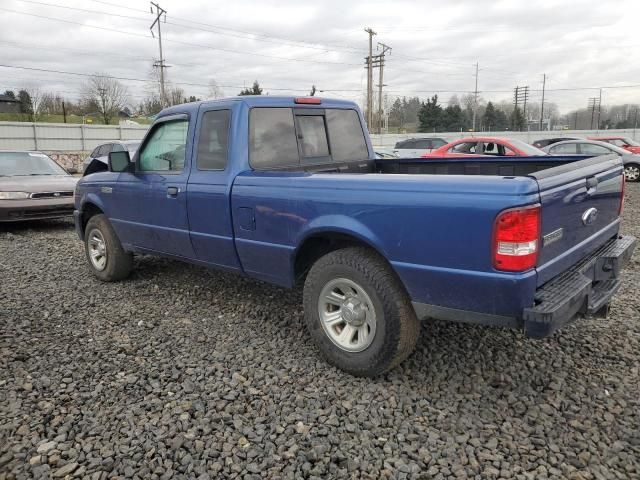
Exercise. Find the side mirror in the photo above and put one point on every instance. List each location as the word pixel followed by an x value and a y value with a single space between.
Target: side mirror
pixel 72 170
pixel 119 162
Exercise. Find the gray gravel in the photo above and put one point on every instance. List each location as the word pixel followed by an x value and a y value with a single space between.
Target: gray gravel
pixel 181 372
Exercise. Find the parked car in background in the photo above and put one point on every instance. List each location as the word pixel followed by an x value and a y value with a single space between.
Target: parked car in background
pixel 415 147
pixel 288 190
pixel 594 148
pixel 480 146
pixel 622 142
pixel 545 142
pixel 33 187
pixel 100 154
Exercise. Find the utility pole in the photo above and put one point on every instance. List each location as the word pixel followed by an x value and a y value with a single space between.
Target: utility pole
pixel 64 112
pixel 160 64
pixel 544 83
pixel 475 100
pixel 385 49
pixel 599 107
pixel 521 94
pixel 594 102
pixel 575 122
pixel 369 67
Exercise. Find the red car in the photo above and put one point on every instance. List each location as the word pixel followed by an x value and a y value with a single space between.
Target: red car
pixel 479 146
pixel 623 142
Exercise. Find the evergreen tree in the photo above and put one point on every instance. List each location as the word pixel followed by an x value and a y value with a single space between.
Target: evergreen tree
pixel 25 102
pixel 517 119
pixel 10 94
pixel 254 90
pixel 430 115
pixel 494 118
pixel 453 119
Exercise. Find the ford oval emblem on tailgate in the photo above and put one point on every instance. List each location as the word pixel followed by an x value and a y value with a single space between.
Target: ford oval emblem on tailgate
pixel 589 216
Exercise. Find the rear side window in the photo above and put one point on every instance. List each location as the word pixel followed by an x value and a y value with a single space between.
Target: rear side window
pixel 568 148
pixel 346 136
pixel 117 148
pixel 272 138
pixel 214 140
pixel 103 150
pixel 464 147
pixel 437 143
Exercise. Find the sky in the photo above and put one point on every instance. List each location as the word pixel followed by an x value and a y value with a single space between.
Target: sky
pixel 288 46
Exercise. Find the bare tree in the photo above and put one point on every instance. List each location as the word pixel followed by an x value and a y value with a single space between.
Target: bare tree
pixel 35 97
pixel 175 96
pixel 214 90
pixel 109 96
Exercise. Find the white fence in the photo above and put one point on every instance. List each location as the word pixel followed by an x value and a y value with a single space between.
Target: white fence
pixel 389 140
pixel 63 137
pixel 66 137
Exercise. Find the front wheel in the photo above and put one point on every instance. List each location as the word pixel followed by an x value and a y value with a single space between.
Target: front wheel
pixel 632 172
pixel 105 255
pixel 358 312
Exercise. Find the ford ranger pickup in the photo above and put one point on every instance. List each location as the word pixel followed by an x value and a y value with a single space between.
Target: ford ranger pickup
pixel 289 191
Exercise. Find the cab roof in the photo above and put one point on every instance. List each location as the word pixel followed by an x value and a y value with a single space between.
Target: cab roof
pixel 257 101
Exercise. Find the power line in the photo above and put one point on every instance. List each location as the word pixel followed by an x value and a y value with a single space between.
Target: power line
pixel 179 42
pixel 133 79
pixel 239 34
pixel 247 32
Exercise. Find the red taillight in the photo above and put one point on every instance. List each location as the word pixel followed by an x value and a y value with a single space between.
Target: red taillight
pixel 516 238
pixel 308 100
pixel 621 207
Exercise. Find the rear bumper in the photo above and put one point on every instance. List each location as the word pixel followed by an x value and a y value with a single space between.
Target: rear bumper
pixel 22 210
pixel 584 289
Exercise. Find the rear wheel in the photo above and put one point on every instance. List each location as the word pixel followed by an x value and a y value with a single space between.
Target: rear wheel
pixel 358 313
pixel 105 255
pixel 632 172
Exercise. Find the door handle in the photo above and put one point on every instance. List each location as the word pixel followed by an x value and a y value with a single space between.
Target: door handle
pixel 173 191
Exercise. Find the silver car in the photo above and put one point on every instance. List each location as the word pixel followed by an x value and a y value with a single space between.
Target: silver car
pixel 594 148
pixel 416 147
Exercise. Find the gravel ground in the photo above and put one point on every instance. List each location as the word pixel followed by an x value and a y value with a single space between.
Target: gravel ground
pixel 181 372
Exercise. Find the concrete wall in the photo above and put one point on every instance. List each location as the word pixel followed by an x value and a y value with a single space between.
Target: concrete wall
pixel 63 137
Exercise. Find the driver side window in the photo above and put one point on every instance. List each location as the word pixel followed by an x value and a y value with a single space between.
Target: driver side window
pixel 165 149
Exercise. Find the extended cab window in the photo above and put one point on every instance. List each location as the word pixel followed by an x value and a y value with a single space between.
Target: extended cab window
pixel 346 136
pixel 165 149
pixel 272 138
pixel 214 140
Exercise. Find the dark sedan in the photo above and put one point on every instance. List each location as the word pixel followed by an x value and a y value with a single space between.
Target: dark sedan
pixel 98 160
pixel 594 148
pixel 33 187
pixel 545 142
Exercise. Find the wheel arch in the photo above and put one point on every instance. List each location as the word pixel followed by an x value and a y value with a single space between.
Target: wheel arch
pixel 319 242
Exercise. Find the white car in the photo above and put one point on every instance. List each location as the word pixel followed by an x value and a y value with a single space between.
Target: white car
pixel 416 147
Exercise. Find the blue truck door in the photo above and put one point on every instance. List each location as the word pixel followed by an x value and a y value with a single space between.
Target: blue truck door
pixel 151 203
pixel 209 188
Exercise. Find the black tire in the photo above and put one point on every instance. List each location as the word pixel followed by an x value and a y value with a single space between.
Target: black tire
pixel 397 328
pixel 118 263
pixel 632 172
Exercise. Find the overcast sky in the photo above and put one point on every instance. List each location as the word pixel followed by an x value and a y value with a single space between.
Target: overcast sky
pixel 291 45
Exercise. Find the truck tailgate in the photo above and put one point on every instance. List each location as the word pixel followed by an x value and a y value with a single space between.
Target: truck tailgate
pixel 580 211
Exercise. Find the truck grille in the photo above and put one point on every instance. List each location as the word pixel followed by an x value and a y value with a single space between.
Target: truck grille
pixel 52 194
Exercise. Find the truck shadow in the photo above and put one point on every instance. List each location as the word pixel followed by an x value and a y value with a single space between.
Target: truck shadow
pixel 464 358
pixel 58 224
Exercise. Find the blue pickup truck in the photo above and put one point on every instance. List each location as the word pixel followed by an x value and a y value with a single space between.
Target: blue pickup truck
pixel 289 191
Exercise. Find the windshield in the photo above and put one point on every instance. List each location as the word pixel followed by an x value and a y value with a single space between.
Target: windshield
pixel 13 164
pixel 613 148
pixel 630 142
pixel 526 148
